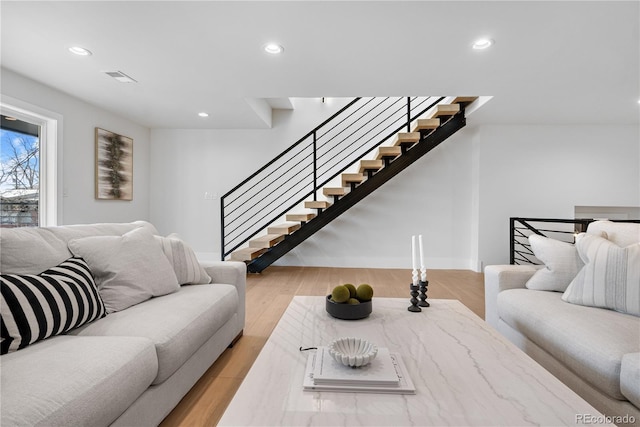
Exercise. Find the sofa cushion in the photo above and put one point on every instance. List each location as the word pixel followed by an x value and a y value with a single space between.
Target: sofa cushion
pixel 129 269
pixel 75 381
pixel 561 264
pixel 588 341
pixel 35 307
pixel 610 277
pixel 183 260
pixel 178 323
pixel 621 233
pixel 30 250
pixel 630 378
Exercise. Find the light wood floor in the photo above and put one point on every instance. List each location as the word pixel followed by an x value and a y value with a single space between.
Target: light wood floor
pixel 269 294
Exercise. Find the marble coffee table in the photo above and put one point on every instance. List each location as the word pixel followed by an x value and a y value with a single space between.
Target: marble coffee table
pixel 465 373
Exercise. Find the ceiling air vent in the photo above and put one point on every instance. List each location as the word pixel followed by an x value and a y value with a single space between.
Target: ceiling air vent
pixel 120 76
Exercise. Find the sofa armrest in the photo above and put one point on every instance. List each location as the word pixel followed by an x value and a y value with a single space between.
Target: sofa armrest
pixel 232 273
pixel 498 278
pixel 630 378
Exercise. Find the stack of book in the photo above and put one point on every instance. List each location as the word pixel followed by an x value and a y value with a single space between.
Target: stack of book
pixel 385 374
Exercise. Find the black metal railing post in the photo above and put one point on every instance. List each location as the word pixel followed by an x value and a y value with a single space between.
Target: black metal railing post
pixel 222 242
pixel 315 166
pixel 512 242
pixel 408 114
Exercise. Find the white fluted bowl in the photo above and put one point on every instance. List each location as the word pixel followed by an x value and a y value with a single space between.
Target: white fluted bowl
pixel 353 352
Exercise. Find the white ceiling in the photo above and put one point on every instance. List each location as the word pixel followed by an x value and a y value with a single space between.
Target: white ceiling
pixel 573 62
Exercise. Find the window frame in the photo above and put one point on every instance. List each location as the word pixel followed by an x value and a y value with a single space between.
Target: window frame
pixel 50 205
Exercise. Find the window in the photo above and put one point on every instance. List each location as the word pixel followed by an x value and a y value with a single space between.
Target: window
pixel 29 172
pixel 19 172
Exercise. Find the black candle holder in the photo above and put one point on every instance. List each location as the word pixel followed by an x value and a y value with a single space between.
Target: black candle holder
pixel 414 300
pixel 423 293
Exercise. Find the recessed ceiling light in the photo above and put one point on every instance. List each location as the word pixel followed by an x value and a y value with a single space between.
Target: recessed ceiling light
pixel 273 48
pixel 203 114
pixel 77 50
pixel 482 43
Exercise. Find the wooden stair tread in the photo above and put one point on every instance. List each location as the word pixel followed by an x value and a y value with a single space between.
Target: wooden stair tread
pixel 426 124
pixel 247 254
pixel 464 99
pixel 334 191
pixel 317 204
pixel 393 151
pixel 285 228
pixel 266 241
pixel 304 217
pixel 445 110
pixel 351 177
pixel 366 165
pixel 407 138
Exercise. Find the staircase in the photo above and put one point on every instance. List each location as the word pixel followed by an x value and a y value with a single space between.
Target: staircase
pixel 344 159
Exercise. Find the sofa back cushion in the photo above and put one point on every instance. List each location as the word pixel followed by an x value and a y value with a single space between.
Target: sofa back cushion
pixel 29 250
pixel 129 269
pixel 622 234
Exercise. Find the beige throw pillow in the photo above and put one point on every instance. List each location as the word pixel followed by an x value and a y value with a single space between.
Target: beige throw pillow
pixel 561 264
pixel 129 269
pixel 610 277
pixel 183 260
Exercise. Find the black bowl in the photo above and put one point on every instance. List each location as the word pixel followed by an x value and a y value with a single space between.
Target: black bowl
pixel 348 311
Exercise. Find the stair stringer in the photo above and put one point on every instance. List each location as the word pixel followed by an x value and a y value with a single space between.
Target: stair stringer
pixel 427 143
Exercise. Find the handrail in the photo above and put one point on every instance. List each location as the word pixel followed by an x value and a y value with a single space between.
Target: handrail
pixel 313 161
pixel 295 144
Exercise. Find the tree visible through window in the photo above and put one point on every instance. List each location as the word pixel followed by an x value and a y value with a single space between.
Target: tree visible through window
pixel 19 173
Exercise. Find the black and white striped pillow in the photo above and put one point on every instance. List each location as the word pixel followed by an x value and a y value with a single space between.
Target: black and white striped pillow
pixel 35 307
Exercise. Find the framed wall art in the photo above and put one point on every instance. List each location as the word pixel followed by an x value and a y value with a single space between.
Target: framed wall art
pixel 114 166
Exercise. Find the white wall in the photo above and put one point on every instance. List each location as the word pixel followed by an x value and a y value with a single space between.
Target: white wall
pixel 545 171
pixel 186 164
pixel 432 198
pixel 77 158
pixel 459 197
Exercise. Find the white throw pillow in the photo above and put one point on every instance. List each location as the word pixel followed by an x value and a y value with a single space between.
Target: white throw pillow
pixel 610 277
pixel 129 269
pixel 184 261
pixel 561 264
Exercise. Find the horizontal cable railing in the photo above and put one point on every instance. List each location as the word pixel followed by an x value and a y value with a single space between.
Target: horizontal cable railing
pixel 564 230
pixel 314 160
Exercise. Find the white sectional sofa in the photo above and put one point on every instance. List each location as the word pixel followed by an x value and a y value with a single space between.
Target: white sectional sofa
pixel 147 347
pixel 554 314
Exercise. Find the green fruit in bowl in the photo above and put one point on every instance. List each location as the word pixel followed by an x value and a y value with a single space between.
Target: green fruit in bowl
pixel 340 294
pixel 352 289
pixel 364 292
pixel 353 301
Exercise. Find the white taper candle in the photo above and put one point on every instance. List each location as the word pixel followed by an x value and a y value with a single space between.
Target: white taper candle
pixel 414 264
pixel 422 267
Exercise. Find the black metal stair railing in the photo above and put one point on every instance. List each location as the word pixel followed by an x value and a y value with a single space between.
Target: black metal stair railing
pixel 563 230
pixel 428 141
pixel 314 160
